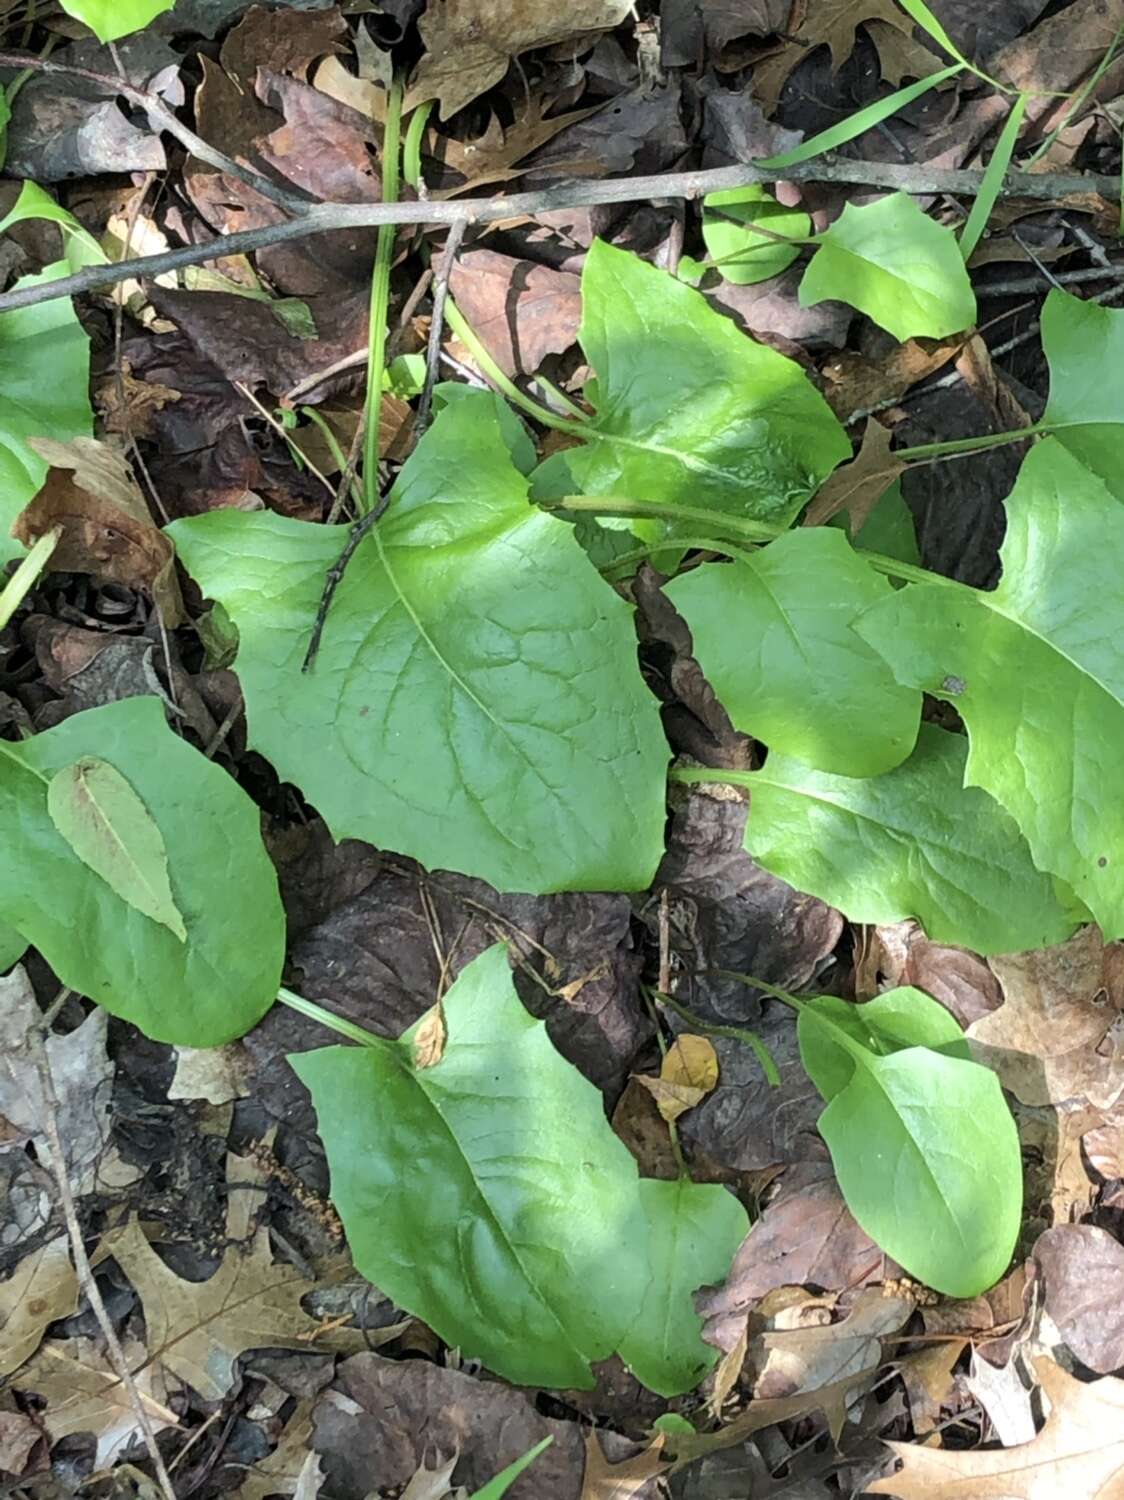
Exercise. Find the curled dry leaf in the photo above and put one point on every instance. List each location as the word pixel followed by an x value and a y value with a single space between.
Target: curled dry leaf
pixel 469 43
pixel 858 486
pixel 689 1072
pixel 107 530
pixel 429 1038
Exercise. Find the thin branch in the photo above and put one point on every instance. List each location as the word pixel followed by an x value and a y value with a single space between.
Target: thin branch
pixel 437 323
pixel 82 1262
pixel 157 110
pixel 671 185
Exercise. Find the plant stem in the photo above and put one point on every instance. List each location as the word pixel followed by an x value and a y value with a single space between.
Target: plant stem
pixel 973 444
pixel 338 1024
pixel 735 1033
pixel 738 526
pixel 411 147
pixel 672 1129
pixel 380 300
pixel 23 580
pixel 488 366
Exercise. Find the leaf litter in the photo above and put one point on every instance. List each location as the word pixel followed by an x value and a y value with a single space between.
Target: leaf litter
pixel 804 1316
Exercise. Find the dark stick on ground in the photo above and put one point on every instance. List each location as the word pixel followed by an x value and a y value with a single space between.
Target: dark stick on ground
pixel 334 576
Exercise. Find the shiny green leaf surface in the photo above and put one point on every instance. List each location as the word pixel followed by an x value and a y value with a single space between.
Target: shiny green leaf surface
pixel 110 19
pixel 1084 347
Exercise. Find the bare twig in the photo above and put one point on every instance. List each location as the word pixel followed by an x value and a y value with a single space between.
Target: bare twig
pixel 437 322
pixel 82 1261
pixel 157 110
pixel 334 575
pixel 1020 285
pixel 672 185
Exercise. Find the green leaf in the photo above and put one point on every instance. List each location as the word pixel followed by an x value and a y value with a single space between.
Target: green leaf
pixel 912 843
pixel 1084 347
pixel 200 993
pixel 489 406
pixel 486 1194
pixel 896 1019
pixel 109 828
pixel 925 1152
pixel 694 1230
pixel 992 182
pixel 896 265
pixel 689 409
pixel 44 392
pixel 742 256
pixel 1036 671
pixel 13 946
pixel 476 701
pixel 772 631
pixel 78 244
pixel 496 1488
pixel 888 529
pixel 110 19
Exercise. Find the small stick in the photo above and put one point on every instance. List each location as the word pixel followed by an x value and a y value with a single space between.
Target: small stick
pixel 437 322
pixel 334 576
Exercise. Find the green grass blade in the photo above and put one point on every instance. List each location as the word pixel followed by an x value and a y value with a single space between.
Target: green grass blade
pixel 856 124
pixel 503 1481
pixel 976 223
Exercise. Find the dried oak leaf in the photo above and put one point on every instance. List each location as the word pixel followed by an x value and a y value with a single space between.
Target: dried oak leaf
pixel 198 1329
pixel 279 1473
pixel 1079 1452
pixel 857 487
pixel 42 1288
pixel 107 530
pixel 630 1479
pixel 833 23
pixel 469 43
pixel 1083 1276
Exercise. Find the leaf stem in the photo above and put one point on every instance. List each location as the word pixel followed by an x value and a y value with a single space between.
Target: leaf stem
pixel 338 1024
pixel 735 1033
pixel 23 580
pixel 411 146
pixel 468 336
pixel 974 444
pixel 380 300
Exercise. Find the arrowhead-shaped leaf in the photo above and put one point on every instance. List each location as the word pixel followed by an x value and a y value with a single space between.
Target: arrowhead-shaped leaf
pixel 694 1229
pixel 912 843
pixel 199 992
pixel 476 702
pixel 109 828
pixel 894 263
pixel 487 1194
pixel 1036 671
pixel 689 409
pixel 923 1145
pixel 773 634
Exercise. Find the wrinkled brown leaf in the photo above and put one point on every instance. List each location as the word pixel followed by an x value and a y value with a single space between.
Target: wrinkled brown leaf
pixel 279 1472
pixel 429 1039
pixel 833 23
pixel 41 1289
pixel 469 43
pixel 858 486
pixel 856 382
pixel 1082 1270
pixel 900 953
pixel 1079 1452
pixel 520 311
pixel 107 529
pixel 927 1376
pixel 285 40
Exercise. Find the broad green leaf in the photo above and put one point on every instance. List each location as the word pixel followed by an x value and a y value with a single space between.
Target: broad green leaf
pixel 689 409
pixel 888 529
pixel 496 1488
pixel 1084 347
pixel 112 832
pixel 896 1019
pixel 925 1152
pixel 486 1194
pixel 772 631
pixel 44 392
pixel 78 244
pixel 476 701
pixel 1036 671
pixel 912 843
pixel 197 993
pixel 110 19
pixel 740 255
pixel 694 1230
pixel 896 265
pixel 488 406
pixel 12 947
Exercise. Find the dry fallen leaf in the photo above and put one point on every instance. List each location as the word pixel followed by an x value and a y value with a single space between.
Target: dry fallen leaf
pixel 1082 1270
pixel 688 1074
pixel 279 1472
pixel 429 1038
pixel 84 1394
pixel 469 43
pixel 858 486
pixel 42 1288
pixel 107 530
pixel 520 311
pixel 1079 1453
pixel 623 1481
pixel 833 23
pixel 927 1377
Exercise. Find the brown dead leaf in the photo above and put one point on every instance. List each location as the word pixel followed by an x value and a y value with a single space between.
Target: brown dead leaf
pixel 469 43
pixel 429 1038
pixel 1079 1452
pixel 279 1472
pixel 833 23
pixel 286 40
pixel 520 311
pixel 84 1394
pixel 637 1122
pixel 901 56
pixel 927 1376
pixel 128 405
pixel 855 383
pixel 899 953
pixel 19 1437
pixel 686 1447
pixel 623 1481
pixel 494 156
pixel 197 1330
pixel 727 1372
pixel 857 487
pixel 107 529
pixel 1054 1037
pixel 975 368
pixel 42 1288
pixel 1082 1270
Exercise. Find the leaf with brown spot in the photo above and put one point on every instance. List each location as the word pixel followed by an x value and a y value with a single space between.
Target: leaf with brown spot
pixel 858 486
pixel 41 1289
pixel 107 529
pixel 430 1037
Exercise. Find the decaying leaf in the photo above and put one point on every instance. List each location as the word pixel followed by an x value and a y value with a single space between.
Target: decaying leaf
pixel 689 1072
pixel 279 1473
pixel 1082 1271
pixel 430 1037
pixel 1079 1452
pixel 470 42
pixel 107 530
pixel 833 23
pixel 622 1481
pixel 520 311
pixel 858 486
pixel 42 1288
